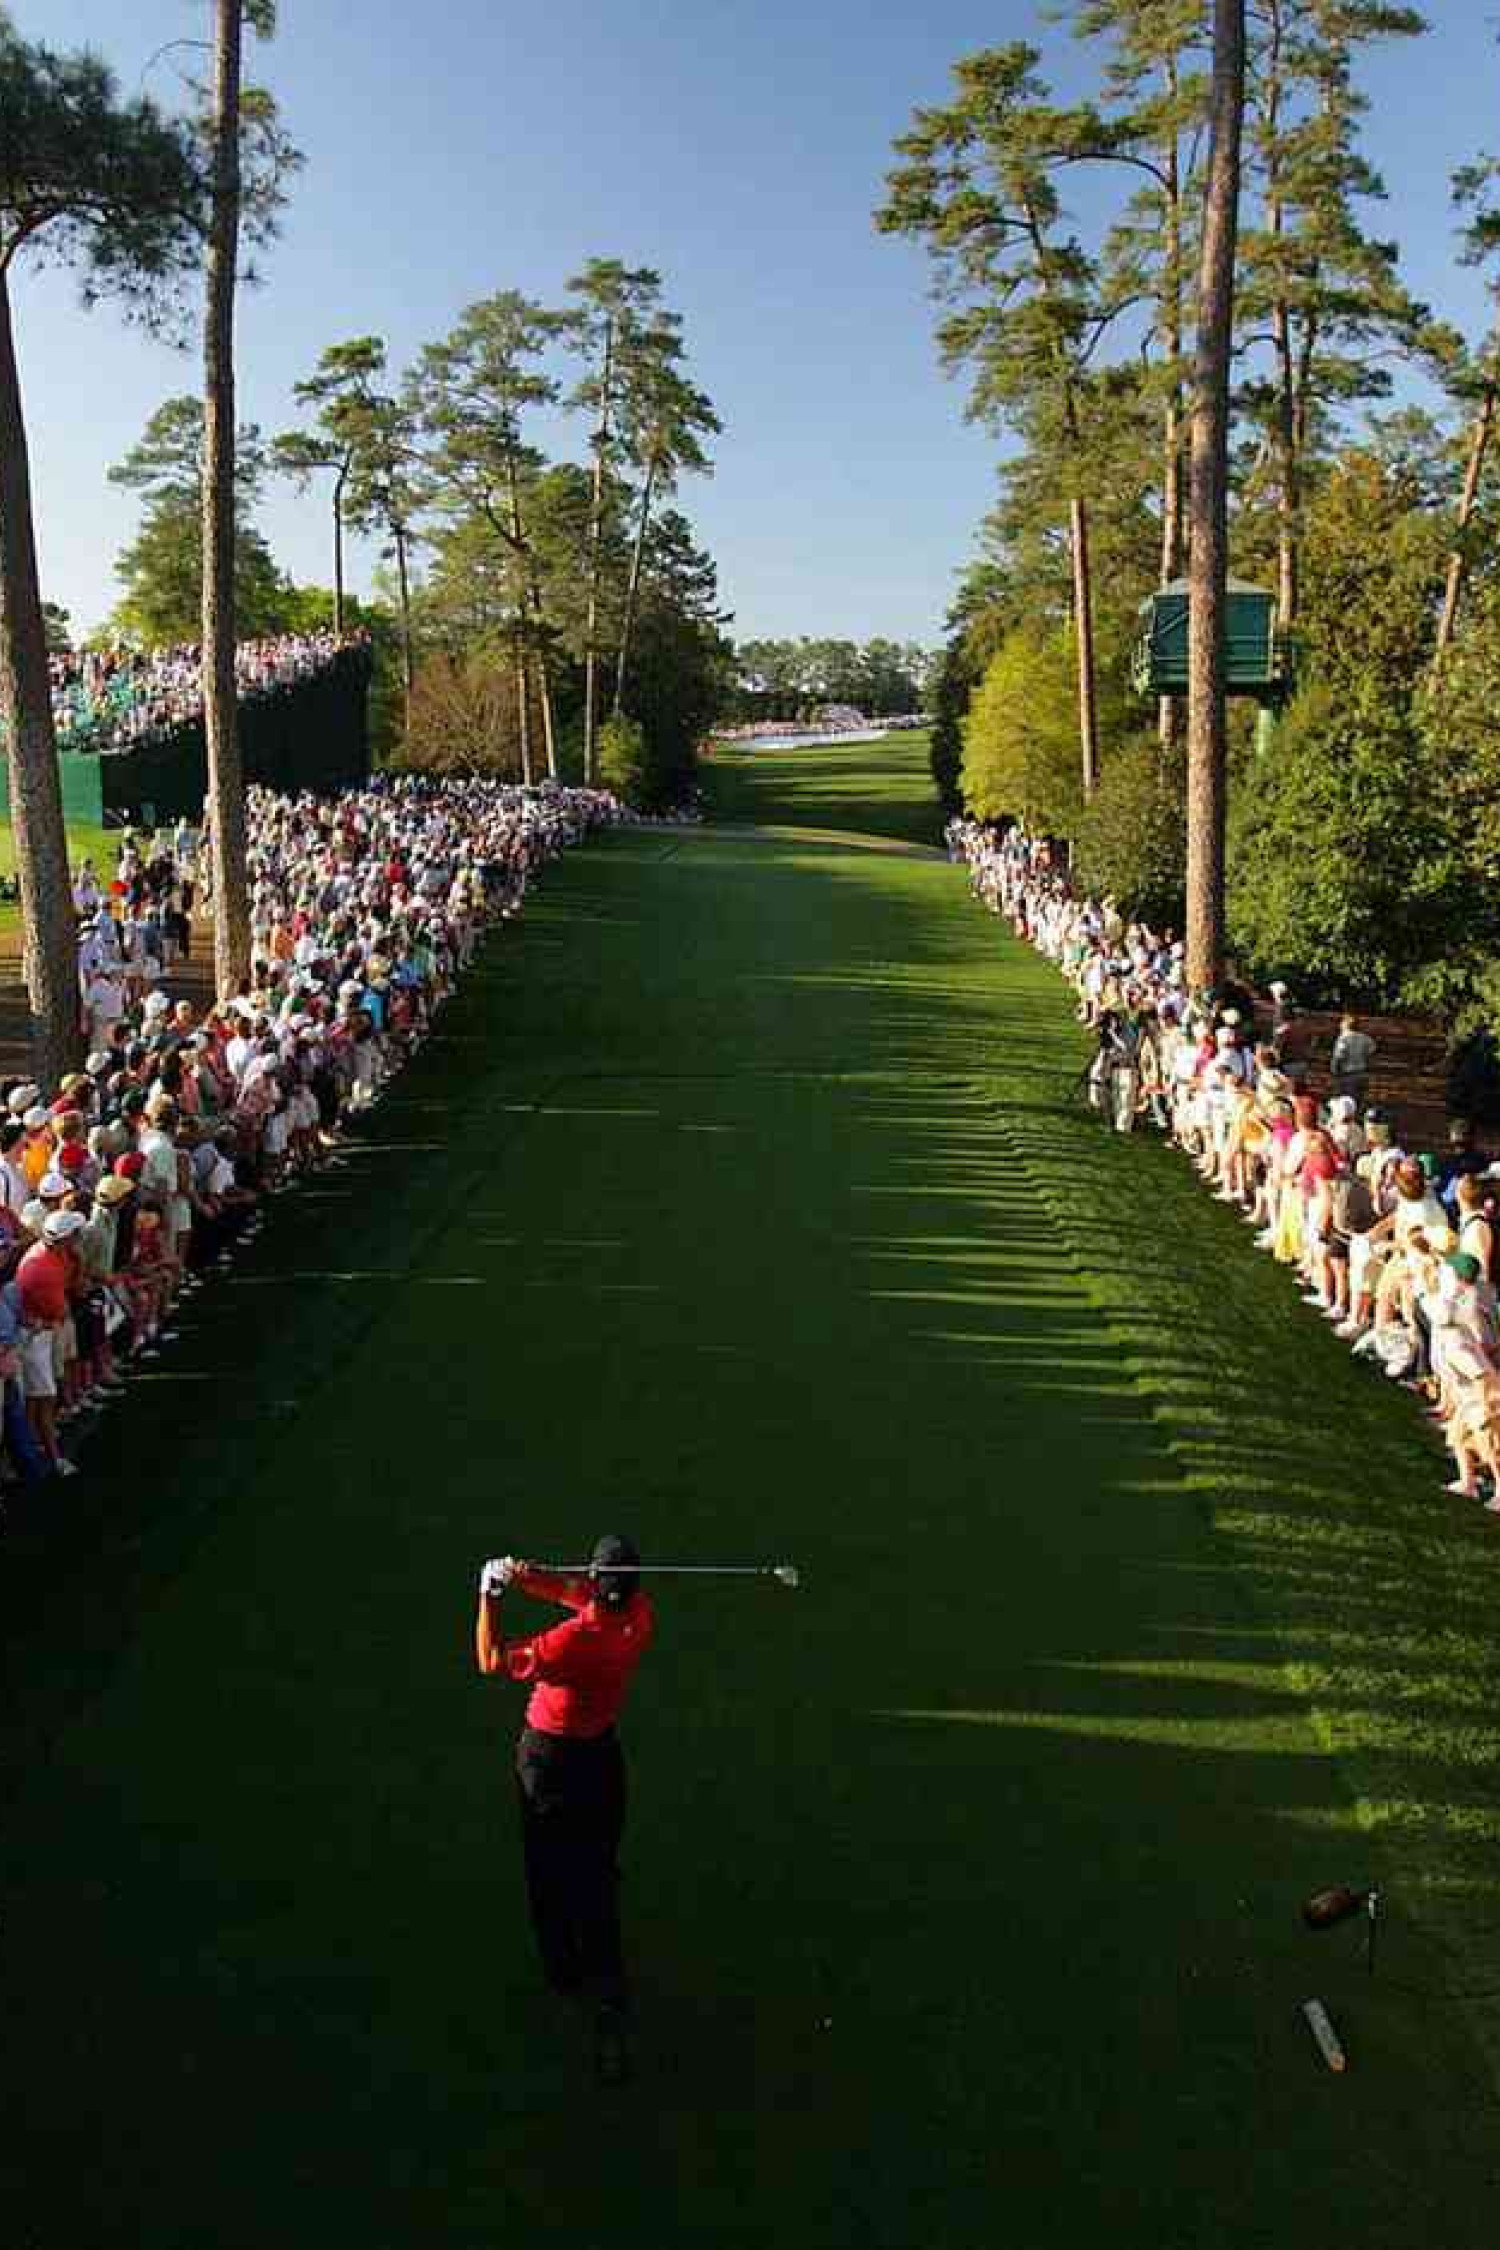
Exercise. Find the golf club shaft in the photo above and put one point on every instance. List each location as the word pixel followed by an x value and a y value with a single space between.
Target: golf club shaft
pixel 663 1570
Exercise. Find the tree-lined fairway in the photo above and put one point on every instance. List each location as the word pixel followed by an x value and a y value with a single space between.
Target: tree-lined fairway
pixel 738 1205
pixel 855 786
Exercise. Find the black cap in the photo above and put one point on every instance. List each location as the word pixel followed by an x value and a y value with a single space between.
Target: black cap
pixel 612 1566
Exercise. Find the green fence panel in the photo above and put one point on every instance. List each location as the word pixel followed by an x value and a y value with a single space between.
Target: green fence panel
pixel 82 787
pixel 314 735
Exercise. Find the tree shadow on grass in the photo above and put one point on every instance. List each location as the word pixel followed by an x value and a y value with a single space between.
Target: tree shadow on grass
pixel 963 1887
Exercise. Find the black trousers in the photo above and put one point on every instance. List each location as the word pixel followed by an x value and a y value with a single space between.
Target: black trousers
pixel 572 1797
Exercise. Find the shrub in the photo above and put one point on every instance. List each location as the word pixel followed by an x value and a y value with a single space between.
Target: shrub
pixel 463 718
pixel 1343 866
pixel 1132 839
pixel 1021 735
pixel 622 758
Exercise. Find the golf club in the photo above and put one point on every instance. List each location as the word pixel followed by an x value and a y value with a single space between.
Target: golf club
pixel 785 1573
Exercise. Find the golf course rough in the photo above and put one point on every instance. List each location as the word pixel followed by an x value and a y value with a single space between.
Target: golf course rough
pixel 740 1205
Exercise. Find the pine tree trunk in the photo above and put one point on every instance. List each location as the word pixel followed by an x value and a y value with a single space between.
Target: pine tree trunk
pixel 544 696
pixel 1083 634
pixel 1078 543
pixel 226 780
pixel 1458 561
pixel 1288 474
pixel 1167 710
pixel 36 810
pixel 543 669
pixel 1284 435
pixel 338 545
pixel 596 540
pixel 523 705
pixel 531 600
pixel 633 590
pixel 1208 504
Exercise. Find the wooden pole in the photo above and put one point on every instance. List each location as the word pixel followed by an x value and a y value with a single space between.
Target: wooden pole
pixel 226 780
pixel 1208 504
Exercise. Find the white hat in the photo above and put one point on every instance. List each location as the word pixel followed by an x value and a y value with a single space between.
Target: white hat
pixel 97 1063
pixel 156 1003
pixel 52 1182
pixel 1277 990
pixel 1231 1015
pixel 58 1225
pixel 35 1118
pixel 1343 1109
pixel 22 1098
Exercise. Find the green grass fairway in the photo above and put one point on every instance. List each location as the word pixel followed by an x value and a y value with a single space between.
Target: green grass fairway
pixel 884 788
pixel 740 1205
pixel 84 842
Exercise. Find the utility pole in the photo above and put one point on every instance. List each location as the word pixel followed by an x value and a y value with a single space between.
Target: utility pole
pixel 1209 507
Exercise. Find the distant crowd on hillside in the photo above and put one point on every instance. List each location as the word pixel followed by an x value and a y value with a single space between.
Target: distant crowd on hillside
pixel 1399 1250
pixel 128 1186
pixel 106 700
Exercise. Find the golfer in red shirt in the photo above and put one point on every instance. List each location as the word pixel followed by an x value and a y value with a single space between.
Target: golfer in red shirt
pixel 570 1769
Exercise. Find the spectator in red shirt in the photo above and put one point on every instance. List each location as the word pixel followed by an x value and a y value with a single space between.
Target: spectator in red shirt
pixel 570 1769
pixel 45 1278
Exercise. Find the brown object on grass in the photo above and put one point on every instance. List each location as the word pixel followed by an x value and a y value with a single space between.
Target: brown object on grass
pixel 1336 1904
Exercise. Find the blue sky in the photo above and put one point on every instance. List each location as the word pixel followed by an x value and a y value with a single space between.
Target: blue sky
pixel 471 145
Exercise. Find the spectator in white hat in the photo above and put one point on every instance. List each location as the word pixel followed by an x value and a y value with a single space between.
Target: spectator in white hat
pixel 104 1001
pixel 45 1279
pixel 51 1192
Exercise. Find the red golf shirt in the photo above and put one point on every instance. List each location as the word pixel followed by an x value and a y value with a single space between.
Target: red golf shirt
pixel 583 1667
pixel 43 1278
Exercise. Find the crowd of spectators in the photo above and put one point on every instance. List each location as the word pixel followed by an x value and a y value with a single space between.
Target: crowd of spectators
pixel 1397 1249
pixel 114 699
pixel 125 1188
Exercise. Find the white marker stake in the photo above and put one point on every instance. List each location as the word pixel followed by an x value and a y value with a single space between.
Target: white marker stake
pixel 1323 2031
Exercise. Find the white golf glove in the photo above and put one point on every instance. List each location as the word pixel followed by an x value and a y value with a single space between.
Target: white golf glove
pixel 497 1574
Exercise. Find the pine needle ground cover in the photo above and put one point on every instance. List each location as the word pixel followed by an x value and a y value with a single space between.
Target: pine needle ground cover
pixel 740 1205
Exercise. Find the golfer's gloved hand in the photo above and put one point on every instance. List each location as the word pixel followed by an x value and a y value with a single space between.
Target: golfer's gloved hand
pixel 497 1574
